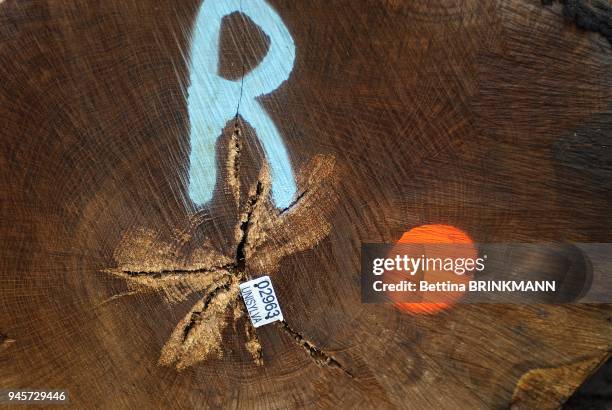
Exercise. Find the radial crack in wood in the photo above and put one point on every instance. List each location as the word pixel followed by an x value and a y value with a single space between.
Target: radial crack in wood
pixel 198 334
pixel 273 235
pixel 320 357
pixel 233 162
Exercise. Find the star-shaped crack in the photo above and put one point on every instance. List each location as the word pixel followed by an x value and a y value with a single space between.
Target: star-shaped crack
pixel 263 236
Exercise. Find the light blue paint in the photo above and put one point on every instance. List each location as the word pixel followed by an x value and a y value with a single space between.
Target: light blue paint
pixel 213 100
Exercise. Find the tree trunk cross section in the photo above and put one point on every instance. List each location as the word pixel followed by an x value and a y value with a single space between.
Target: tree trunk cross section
pixel 121 285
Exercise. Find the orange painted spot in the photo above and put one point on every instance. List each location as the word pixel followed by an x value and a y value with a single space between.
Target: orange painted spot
pixel 438 234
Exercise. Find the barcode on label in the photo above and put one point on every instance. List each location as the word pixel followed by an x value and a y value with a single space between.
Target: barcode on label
pixel 261 302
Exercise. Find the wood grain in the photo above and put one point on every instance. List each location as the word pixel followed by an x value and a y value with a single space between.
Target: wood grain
pixel 476 114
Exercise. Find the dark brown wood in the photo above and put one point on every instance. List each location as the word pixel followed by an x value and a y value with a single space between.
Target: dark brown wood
pixel 117 288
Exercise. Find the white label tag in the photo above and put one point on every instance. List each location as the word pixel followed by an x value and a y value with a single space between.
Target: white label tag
pixel 261 302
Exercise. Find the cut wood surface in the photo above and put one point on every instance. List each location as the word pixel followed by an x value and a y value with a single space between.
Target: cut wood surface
pixel 490 116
